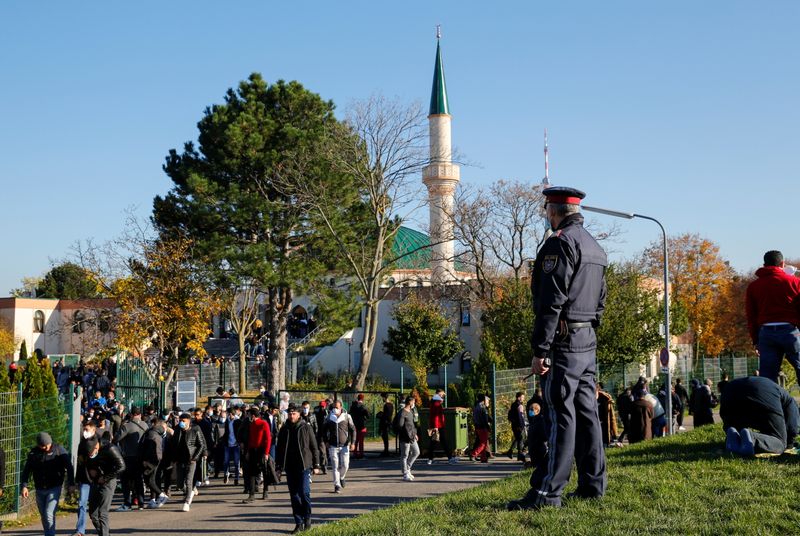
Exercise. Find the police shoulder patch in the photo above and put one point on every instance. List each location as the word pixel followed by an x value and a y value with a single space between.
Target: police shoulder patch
pixel 549 263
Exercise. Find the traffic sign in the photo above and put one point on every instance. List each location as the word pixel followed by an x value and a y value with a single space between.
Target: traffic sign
pixel 664 357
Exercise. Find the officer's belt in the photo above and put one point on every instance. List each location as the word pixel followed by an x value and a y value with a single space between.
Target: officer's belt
pixel 576 325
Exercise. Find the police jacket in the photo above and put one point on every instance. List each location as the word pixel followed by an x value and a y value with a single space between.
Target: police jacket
pixel 297 448
pixel 568 284
pixel 47 468
pixel 107 464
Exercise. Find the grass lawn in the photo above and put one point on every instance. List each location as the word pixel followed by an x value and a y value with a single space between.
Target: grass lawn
pixel 686 484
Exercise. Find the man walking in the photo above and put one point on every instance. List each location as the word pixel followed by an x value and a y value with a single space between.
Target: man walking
pixel 152 458
pixel 189 448
pixel 297 458
pixel 48 464
pixel 385 418
pixel 129 438
pixel 772 303
pixel 360 414
pixel 407 434
pixel 339 433
pixel 569 290
pixel 516 418
pixel 259 438
pixel 104 464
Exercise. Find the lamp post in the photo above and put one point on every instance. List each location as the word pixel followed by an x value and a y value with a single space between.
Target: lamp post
pixel 349 341
pixel 665 353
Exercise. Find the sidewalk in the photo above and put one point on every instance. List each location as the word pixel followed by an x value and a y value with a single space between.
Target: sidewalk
pixel 372 483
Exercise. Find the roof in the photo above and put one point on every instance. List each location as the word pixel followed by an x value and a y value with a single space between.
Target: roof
pixel 414 248
pixel 439 102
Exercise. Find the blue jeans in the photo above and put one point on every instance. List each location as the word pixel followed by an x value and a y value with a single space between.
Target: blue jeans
pixel 775 342
pixel 231 453
pixel 300 493
pixel 83 501
pixel 47 502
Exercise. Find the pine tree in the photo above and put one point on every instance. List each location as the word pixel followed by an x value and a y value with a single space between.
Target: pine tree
pixel 23 351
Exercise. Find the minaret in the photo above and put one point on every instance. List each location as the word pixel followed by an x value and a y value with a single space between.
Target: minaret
pixel 441 176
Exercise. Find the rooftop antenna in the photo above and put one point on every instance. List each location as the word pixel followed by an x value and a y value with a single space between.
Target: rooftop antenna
pixel 546 180
pixel 438 31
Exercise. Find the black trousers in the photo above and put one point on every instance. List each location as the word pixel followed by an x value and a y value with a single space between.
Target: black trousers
pixel 573 430
pixel 132 481
pixel 441 444
pixel 385 436
pixel 100 497
pixel 518 442
pixel 152 478
pixel 256 466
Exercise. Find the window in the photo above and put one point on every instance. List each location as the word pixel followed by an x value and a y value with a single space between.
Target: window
pixel 78 321
pixel 38 322
pixel 465 315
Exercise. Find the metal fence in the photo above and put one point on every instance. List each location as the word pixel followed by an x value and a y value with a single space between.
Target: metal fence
pixel 20 421
pixel 210 376
pixel 616 378
pixel 505 385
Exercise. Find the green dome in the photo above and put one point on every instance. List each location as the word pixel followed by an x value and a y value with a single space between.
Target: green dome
pixel 407 241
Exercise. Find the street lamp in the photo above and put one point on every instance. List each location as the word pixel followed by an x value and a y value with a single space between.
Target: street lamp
pixel 665 354
pixel 348 338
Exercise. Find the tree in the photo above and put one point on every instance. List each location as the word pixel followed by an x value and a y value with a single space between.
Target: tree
pixel 507 326
pixel 698 276
pixel 498 230
pixel 733 320
pixel 23 350
pixel 422 339
pixel 28 287
pixel 164 301
pixel 5 380
pixel 240 303
pixel 68 281
pixel 225 197
pixel 629 329
pixel 378 153
pixel 8 343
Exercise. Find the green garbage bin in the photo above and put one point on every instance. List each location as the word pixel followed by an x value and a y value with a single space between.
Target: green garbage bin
pixel 456 428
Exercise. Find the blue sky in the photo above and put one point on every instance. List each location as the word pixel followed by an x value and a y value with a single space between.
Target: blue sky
pixel 686 111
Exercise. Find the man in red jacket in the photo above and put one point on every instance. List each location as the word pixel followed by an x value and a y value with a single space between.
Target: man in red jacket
pixel 259 440
pixel 773 315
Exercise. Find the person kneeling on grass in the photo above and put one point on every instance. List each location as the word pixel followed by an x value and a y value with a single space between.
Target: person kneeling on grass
pixel 758 416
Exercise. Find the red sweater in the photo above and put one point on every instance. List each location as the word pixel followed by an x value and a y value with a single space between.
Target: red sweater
pixel 773 297
pixel 436 419
pixel 260 435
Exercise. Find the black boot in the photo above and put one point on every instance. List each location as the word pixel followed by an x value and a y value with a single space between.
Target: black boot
pixel 297 528
pixel 307 524
pixel 264 493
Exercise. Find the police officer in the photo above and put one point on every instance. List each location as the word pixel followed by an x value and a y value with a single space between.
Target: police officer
pixel 569 292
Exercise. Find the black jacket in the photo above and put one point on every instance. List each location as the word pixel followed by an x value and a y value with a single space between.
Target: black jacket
pixel 339 434
pixel 297 440
pixel 568 284
pixel 48 468
pixel 759 403
pixel 311 419
pixel 188 445
pixel 360 414
pixel 152 447
pixel 108 464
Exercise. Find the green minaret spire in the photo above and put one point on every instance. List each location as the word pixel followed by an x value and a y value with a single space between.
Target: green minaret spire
pixel 439 103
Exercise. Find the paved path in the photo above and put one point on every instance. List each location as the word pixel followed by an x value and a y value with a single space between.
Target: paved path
pixel 372 483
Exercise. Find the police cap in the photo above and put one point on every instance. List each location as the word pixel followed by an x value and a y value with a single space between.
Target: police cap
pixel 563 195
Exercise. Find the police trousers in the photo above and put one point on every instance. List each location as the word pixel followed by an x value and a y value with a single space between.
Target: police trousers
pixel 573 430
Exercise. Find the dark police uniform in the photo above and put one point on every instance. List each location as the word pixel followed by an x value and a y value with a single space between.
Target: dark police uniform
pixel 569 292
